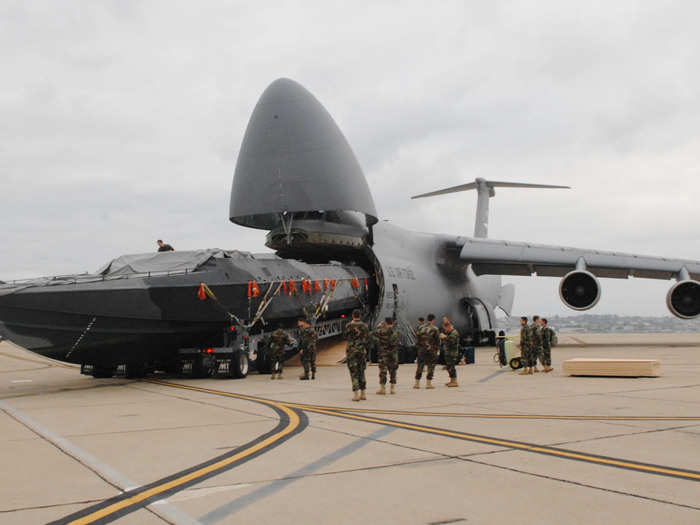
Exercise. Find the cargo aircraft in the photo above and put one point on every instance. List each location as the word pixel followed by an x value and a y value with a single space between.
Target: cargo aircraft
pixel 298 179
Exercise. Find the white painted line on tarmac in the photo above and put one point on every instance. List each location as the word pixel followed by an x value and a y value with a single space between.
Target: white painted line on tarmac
pixel 110 475
pixel 21 381
pixel 225 511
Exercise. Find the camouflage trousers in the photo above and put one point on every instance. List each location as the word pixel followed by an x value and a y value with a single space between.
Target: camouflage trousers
pixel 388 361
pixel 536 354
pixel 525 356
pixel 357 365
pixel 276 356
pixel 546 356
pixel 451 361
pixel 308 361
pixel 425 358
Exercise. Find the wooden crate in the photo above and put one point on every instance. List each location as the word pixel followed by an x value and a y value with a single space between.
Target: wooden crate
pixel 587 366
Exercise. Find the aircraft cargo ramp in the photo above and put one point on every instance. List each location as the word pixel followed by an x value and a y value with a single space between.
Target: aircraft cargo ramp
pixel 329 352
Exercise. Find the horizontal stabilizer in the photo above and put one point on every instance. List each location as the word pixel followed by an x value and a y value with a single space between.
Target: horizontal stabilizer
pixel 485 190
pixel 489 184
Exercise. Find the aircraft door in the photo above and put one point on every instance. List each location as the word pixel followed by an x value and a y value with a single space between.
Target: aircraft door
pixel 477 327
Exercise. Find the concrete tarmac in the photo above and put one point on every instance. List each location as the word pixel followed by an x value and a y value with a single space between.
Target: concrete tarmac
pixel 501 448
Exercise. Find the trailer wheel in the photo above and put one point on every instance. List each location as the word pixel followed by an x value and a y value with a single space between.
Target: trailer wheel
pixel 173 367
pixel 239 365
pixel 202 369
pixel 262 361
pixel 102 371
pixel 516 363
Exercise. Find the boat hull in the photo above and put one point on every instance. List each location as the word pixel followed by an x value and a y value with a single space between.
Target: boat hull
pixel 140 319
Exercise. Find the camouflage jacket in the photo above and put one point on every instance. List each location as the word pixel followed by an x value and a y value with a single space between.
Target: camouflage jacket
pixel 417 330
pixel 307 338
pixel 387 340
pixel 547 336
pixel 429 337
pixel 279 339
pixel 450 344
pixel 524 337
pixel 357 335
pixel 535 335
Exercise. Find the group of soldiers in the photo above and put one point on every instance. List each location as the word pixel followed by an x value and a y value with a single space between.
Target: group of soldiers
pixel 535 344
pixel 429 339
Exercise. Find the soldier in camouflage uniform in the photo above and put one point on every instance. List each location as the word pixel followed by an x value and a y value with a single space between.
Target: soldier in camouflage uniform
pixel 357 334
pixel 419 325
pixel 388 339
pixel 547 337
pixel 450 347
pixel 307 345
pixel 536 342
pixel 524 346
pixel 278 340
pixel 428 348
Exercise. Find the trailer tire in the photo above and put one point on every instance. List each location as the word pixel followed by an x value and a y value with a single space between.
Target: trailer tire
pixel 516 363
pixel 173 367
pixel 102 371
pixel 262 361
pixel 239 365
pixel 201 369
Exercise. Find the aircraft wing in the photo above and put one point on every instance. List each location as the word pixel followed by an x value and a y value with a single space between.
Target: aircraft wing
pixel 490 256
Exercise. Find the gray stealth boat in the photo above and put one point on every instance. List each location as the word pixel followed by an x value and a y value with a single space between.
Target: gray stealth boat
pixel 143 308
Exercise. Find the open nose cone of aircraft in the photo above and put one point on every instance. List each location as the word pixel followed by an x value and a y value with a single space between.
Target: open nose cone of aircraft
pixel 294 158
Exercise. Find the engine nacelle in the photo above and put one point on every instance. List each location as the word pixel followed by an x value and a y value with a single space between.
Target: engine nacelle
pixel 683 299
pixel 580 290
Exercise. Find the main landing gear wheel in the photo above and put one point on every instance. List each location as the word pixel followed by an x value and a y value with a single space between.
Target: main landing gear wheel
pixel 239 365
pixel 516 363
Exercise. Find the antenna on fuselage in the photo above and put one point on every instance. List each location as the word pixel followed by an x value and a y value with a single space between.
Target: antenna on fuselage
pixel 485 190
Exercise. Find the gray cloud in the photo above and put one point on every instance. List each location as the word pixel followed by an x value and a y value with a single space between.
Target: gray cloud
pixel 120 122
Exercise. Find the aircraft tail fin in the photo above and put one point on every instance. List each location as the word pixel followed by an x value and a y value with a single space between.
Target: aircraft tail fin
pixel 485 190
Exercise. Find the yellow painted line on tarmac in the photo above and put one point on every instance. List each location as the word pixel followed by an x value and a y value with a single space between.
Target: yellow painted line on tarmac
pixel 294 422
pixel 640 467
pixel 497 416
pixel 580 456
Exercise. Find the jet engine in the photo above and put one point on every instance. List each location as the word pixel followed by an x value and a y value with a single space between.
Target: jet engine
pixel 580 290
pixel 683 299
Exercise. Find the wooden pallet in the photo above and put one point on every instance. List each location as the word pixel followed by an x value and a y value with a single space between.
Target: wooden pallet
pixel 586 366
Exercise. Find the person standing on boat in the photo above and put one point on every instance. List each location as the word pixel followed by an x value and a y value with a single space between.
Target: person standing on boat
pixel 162 247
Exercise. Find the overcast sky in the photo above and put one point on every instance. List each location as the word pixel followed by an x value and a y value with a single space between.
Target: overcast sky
pixel 120 123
